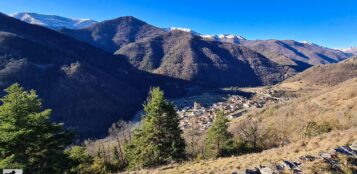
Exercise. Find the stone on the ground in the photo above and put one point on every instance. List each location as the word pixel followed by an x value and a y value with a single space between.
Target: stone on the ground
pixel 265 170
pixel 251 171
pixel 292 166
pixel 280 167
pixel 308 158
pixel 354 146
pixel 345 150
pixel 325 155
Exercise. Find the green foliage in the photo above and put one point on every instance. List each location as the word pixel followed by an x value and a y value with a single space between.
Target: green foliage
pixel 99 166
pixel 158 139
pixel 10 163
pixel 219 141
pixel 28 139
pixel 116 163
pixel 80 161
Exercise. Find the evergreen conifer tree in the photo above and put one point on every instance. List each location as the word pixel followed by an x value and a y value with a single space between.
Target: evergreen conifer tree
pixel 28 139
pixel 219 141
pixel 158 139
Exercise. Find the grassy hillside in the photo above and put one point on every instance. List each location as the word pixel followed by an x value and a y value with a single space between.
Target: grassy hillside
pixel 270 157
pixel 321 119
pixel 331 74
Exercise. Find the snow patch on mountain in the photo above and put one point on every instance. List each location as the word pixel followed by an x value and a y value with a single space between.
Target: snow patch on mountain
pixel 223 36
pixel 347 49
pixel 317 45
pixel 231 38
pixel 309 43
pixel 188 30
pixel 351 50
pixel 53 21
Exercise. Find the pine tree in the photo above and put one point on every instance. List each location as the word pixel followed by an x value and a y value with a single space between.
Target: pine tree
pixel 80 160
pixel 219 141
pixel 28 139
pixel 158 140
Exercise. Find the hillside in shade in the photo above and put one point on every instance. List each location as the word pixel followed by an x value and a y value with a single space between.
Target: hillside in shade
pixel 87 88
pixel 186 56
pixel 112 34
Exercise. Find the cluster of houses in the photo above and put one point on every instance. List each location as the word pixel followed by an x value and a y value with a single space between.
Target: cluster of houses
pixel 202 117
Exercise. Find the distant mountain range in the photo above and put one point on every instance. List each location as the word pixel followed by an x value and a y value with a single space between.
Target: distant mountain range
pixel 351 50
pixel 298 55
pixel 53 21
pixel 112 35
pixel 331 74
pixel 189 57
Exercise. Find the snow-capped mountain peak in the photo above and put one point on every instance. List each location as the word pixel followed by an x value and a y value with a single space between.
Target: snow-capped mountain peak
pixel 181 29
pixel 313 44
pixel 53 21
pixel 351 50
pixel 231 38
pixel 309 43
pixel 188 30
pixel 223 36
pixel 347 49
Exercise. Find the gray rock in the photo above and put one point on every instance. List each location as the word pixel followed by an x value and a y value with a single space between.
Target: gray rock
pixel 289 164
pixel 345 150
pixel 265 170
pixel 280 167
pixel 354 146
pixel 325 156
pixel 308 158
pixel 297 171
pixel 252 171
pixel 292 166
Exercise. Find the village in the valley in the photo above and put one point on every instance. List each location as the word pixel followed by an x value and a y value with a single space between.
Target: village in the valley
pixel 201 116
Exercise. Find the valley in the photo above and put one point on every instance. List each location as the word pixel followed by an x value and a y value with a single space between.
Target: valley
pixel 194 115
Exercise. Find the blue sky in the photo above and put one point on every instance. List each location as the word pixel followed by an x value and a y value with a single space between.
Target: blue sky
pixel 331 23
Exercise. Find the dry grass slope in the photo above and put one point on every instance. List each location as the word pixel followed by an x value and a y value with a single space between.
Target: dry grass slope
pixel 335 106
pixel 292 151
pixel 331 74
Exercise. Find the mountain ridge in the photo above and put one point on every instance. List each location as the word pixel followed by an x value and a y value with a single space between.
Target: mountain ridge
pixel 186 56
pixel 298 55
pixel 87 88
pixel 53 21
pixel 112 34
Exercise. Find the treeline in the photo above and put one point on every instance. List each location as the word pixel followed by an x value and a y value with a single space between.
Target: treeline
pixel 158 140
pixel 30 141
